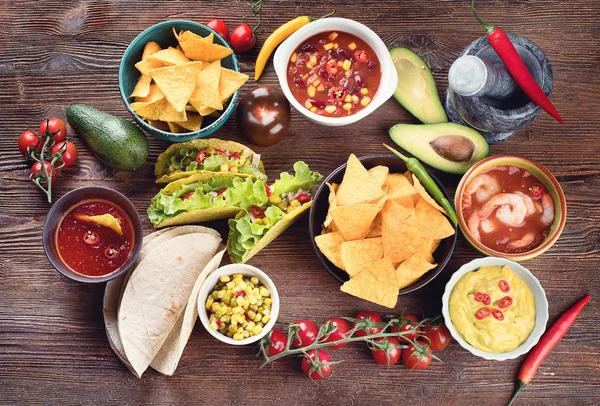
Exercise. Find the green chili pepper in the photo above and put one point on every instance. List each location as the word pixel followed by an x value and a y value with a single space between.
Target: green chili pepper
pixel 413 165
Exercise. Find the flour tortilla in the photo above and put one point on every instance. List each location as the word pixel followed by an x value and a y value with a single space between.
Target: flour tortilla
pixel 157 293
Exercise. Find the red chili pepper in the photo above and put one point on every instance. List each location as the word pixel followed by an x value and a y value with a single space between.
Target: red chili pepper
pixel 482 313
pixel 268 190
pixel 547 343
pixel 257 212
pixel 479 297
pixel 218 323
pixel 536 191
pixel 303 198
pixel 505 302
pixel 516 67
pixel 201 156
pixel 188 195
pixel 361 56
pixel 498 315
pixel 235 155
pixel 239 293
pixel 220 151
pixel 221 191
pixel 332 68
pixel 504 286
pixel 487 299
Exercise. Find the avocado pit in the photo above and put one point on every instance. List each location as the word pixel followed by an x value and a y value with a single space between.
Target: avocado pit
pixel 454 148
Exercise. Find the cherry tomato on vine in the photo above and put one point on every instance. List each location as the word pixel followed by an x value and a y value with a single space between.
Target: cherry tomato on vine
pixel 219 27
pixel 37 168
pixel 394 354
pixel 407 323
pixel 307 334
pixel 374 317
pixel 242 38
pixel 69 152
pixel 322 371
pixel 29 139
pixel 277 342
pixel 56 126
pixel 417 357
pixel 438 334
pixel 340 333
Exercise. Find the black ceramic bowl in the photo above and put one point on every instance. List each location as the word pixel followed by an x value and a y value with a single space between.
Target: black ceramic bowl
pixel 320 206
pixel 59 209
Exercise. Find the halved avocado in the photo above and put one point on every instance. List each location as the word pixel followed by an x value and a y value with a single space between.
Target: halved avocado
pixel 416 90
pixel 448 147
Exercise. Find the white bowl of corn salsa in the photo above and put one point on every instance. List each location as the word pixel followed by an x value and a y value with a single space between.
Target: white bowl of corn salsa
pixel 238 304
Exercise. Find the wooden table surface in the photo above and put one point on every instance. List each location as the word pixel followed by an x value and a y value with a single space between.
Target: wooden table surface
pixel 53 348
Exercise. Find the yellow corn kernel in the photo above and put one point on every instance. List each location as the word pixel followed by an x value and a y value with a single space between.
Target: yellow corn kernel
pixel 238 337
pixel 347 106
pixel 245 334
pixel 252 299
pixel 311 91
pixel 275 199
pixel 354 99
pixel 212 318
pixel 229 334
pixel 328 46
pixel 352 46
pixel 258 318
pixel 313 60
pixel 230 285
pixel 320 88
pixel 346 65
pixel 313 109
pixel 348 72
pixel 348 98
pixel 305 77
pixel 210 150
pixel 238 276
pixel 224 278
pixel 365 100
pixel 340 63
pixel 224 168
pixel 364 91
pixel 264 292
pixel 232 328
pixel 256 330
pixel 294 203
pixel 294 57
pixel 308 105
pixel 241 301
pixel 248 290
pixel 268 301
pixel 250 325
pixel 209 302
pixel 220 294
pixel 234 169
pixel 215 307
pixel 310 65
pixel 333 35
pixel 316 82
pixel 331 109
pixel 266 319
pixel 289 209
pixel 256 292
pixel 213 326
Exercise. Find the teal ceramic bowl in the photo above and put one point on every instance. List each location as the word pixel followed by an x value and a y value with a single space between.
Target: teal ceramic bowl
pixel 163 34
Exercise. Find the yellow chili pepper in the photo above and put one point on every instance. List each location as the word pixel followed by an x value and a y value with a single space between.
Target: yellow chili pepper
pixel 277 37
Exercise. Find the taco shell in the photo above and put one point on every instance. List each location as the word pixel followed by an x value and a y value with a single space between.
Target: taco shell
pixel 161 169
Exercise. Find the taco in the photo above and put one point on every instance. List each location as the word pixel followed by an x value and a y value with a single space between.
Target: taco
pixel 255 227
pixel 199 156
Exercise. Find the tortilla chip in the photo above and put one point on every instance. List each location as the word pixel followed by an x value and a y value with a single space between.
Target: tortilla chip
pixel 332 205
pixel 354 222
pixel 200 49
pixel 161 110
pixel 230 82
pixel 379 174
pixel 425 195
pixel 160 125
pixel 357 186
pixel 375 229
pixel 150 49
pixel 408 175
pixel 153 95
pixel 412 270
pixel 169 56
pixel 330 245
pixel 175 128
pixel 376 283
pixel 398 186
pixel 142 87
pixel 193 123
pixel 146 66
pixel 357 255
pixel 400 238
pixel 396 210
pixel 178 82
pixel 201 108
pixel 207 87
pixel 429 248
pixel 433 224
pixel 105 220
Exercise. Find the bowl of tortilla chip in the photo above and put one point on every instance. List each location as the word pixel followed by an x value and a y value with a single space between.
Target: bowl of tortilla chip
pixel 180 80
pixel 375 228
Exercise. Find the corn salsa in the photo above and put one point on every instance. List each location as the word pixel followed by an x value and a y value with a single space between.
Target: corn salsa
pixel 334 74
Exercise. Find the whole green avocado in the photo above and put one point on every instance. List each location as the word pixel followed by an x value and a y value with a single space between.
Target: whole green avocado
pixel 117 142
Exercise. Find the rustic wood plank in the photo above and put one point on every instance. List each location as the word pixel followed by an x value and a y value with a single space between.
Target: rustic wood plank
pixel 53 348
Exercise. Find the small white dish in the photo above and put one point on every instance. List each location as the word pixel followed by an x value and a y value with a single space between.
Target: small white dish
pixel 541 307
pixel 389 77
pixel 246 270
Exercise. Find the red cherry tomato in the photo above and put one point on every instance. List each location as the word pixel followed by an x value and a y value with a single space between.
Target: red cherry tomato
pixel 307 334
pixel 268 190
pixel 257 212
pixel 374 317
pixel 361 56
pixel 505 302
pixel 219 27
pixel 91 238
pixel 56 126
pixel 393 353
pixel 332 68
pixel 188 195
pixel 341 332
pixel 37 168
pixel 482 313
pixel 112 252
pixel 68 151
pixel 498 315
pixel 417 357
pixel 235 155
pixel 408 322
pixel 303 198
pixel 201 156
pixel 29 139
pixel 277 342
pixel 242 38
pixel 323 371
pixel 504 286
pixel 438 335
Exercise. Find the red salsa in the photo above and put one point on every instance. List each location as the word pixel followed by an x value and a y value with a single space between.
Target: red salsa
pixel 507 209
pixel 89 248
pixel 334 74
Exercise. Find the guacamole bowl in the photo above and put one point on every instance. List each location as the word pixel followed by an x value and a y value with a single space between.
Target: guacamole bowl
pixel 539 299
pixel 546 179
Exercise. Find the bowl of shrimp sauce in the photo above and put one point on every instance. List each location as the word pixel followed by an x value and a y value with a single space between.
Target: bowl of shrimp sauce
pixel 511 207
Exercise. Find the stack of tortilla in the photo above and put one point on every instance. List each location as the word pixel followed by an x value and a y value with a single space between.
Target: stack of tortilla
pixel 150 312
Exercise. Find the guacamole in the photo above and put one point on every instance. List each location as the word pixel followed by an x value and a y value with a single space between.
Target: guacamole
pixel 493 309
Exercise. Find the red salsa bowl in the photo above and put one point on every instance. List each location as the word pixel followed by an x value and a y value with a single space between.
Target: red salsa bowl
pixel 92 234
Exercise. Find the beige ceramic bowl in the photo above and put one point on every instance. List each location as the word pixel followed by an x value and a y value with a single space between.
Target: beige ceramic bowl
pixel 550 184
